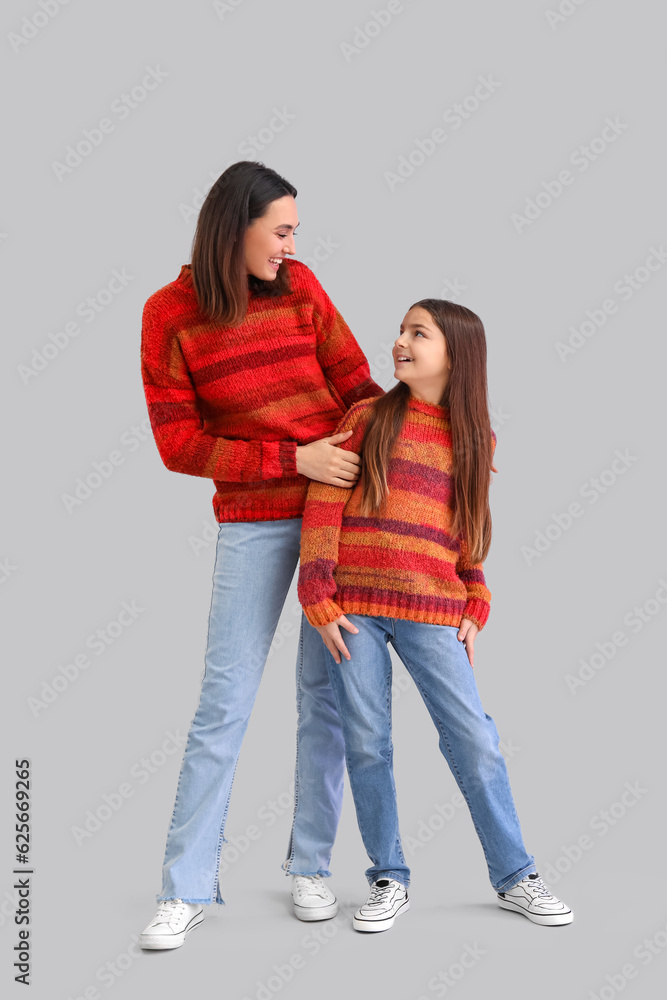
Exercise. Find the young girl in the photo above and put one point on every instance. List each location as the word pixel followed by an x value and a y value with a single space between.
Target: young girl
pixel 399 559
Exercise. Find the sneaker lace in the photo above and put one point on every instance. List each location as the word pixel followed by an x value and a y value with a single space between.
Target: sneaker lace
pixel 538 888
pixel 167 909
pixel 308 885
pixel 378 893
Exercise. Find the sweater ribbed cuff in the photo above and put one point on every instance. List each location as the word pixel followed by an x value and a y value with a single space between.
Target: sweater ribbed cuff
pixel 477 611
pixel 323 613
pixel 287 457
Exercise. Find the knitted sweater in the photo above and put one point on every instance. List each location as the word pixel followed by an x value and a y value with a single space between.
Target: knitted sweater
pixel 404 564
pixel 233 403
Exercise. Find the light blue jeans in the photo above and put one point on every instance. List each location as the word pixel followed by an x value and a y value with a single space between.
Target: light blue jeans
pixel 438 664
pixel 255 562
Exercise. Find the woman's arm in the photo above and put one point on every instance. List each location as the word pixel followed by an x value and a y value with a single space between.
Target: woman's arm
pixel 185 447
pixel 343 363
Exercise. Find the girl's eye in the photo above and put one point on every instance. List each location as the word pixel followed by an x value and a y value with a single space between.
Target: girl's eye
pixel 420 332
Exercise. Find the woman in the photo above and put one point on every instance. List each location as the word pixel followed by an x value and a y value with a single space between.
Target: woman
pixel 247 368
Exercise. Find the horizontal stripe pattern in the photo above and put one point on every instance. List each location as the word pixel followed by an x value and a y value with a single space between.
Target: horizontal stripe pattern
pixel 232 404
pixel 404 563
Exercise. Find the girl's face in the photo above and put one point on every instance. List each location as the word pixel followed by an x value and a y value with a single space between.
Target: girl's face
pixel 423 342
pixel 269 239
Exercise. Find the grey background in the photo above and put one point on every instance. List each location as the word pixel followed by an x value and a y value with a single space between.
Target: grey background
pixel 446 231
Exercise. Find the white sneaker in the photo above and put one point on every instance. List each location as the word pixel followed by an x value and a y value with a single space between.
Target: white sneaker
pixel 532 898
pixel 173 920
pixel 388 899
pixel 313 900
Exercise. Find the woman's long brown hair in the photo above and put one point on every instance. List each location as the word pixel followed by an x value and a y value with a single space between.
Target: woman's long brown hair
pixel 243 192
pixel 466 398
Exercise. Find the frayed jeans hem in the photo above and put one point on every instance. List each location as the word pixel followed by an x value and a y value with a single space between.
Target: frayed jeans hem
pixel 183 899
pixel 324 872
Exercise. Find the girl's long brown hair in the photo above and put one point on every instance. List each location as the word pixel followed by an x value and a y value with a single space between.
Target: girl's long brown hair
pixel 466 398
pixel 243 192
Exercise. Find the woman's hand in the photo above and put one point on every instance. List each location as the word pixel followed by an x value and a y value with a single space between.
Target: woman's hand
pixel 324 461
pixel 332 638
pixel 466 634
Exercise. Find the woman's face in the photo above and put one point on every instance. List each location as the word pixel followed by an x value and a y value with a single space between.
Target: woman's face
pixel 269 239
pixel 423 342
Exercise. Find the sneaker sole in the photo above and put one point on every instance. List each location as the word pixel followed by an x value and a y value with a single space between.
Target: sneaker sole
pixel 316 912
pixel 547 920
pixel 158 942
pixel 379 925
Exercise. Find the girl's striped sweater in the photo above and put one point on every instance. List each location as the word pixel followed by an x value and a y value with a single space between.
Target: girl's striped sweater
pixel 404 564
pixel 233 403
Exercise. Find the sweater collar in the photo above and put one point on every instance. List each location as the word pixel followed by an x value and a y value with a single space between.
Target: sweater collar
pixel 185 274
pixel 432 409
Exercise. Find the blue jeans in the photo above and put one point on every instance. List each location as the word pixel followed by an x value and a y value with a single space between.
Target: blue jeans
pixel 438 664
pixel 254 565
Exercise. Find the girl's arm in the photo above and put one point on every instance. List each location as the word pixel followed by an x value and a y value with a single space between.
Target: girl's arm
pixel 176 422
pixel 479 597
pixel 478 603
pixel 320 531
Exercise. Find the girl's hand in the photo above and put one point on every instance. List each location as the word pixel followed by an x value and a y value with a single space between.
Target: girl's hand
pixel 466 634
pixel 332 638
